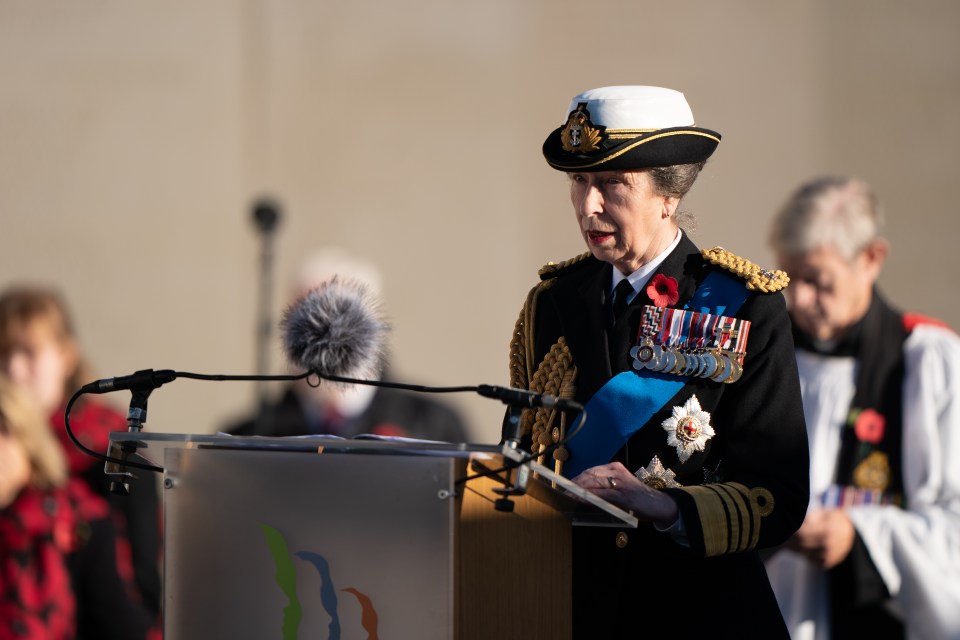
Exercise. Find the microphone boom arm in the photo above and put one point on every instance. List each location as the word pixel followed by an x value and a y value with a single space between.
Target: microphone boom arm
pixel 142 383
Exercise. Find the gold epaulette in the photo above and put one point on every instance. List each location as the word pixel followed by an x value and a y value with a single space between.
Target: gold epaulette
pixel 554 269
pixel 758 278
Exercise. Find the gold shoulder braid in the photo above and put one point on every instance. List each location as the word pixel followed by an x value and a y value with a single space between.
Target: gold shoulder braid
pixel 758 279
pixel 518 351
pixel 554 269
pixel 521 343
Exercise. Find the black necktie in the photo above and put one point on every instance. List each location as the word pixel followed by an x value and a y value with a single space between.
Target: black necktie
pixel 618 335
pixel 619 299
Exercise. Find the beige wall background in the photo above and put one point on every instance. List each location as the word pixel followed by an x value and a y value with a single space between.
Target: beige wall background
pixel 135 137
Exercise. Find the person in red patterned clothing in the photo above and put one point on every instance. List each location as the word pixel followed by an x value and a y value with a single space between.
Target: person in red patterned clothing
pixel 36 600
pixel 51 525
pixel 39 351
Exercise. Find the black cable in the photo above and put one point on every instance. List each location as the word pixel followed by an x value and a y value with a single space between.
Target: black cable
pixel 581 414
pixel 94 454
pixel 227 378
pixel 178 374
pixel 395 385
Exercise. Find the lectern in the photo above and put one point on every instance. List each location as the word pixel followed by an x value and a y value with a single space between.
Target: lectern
pixel 322 537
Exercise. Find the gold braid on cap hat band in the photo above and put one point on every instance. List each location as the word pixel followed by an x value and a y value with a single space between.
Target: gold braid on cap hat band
pixel 630 147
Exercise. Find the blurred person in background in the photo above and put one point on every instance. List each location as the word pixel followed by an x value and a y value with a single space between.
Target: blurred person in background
pixel 39 350
pixel 348 411
pixel 878 555
pixel 58 576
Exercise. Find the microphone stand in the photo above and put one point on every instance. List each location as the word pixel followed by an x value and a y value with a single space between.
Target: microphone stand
pixel 266 217
pixel 136 416
pixel 511 439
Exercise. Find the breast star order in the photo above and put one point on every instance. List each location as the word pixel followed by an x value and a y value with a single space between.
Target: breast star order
pixel 657 476
pixel 688 429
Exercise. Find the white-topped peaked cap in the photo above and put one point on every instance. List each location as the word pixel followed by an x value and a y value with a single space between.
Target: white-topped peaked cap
pixel 628 127
pixel 635 107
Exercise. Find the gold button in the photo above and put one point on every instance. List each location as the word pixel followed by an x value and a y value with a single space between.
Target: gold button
pixel 621 539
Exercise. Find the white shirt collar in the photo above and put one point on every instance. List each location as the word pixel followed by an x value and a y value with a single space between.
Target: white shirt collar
pixel 640 277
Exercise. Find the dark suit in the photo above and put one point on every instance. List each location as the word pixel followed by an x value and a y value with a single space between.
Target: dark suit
pixel 716 585
pixel 391 412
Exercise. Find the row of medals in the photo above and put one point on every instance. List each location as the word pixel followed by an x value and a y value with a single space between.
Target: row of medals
pixel 715 364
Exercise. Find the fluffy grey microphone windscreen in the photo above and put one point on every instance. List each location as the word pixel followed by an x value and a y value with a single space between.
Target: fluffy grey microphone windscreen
pixel 336 329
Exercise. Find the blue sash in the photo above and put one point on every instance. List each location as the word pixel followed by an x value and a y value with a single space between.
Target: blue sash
pixel 628 400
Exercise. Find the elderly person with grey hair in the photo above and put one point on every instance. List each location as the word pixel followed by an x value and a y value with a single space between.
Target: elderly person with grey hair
pixel 684 361
pixel 305 409
pixel 878 555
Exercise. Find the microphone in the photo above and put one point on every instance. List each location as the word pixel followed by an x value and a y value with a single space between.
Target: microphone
pixel 139 381
pixel 337 330
pixel 527 399
pixel 266 215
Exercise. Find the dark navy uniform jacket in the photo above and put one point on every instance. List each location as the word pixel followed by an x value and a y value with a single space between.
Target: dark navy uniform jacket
pixel 747 490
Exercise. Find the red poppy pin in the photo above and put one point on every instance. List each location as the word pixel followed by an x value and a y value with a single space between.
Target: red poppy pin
pixel 662 290
pixel 869 426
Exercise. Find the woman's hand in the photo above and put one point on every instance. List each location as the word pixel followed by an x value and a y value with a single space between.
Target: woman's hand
pixel 614 483
pixel 14 469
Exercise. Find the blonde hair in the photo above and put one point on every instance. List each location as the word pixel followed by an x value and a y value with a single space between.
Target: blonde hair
pixel 834 211
pixel 21 306
pixel 21 419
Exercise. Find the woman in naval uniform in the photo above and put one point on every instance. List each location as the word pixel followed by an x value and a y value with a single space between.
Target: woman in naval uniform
pixel 685 363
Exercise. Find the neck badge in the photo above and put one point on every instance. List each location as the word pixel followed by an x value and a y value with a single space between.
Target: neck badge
pixel 656 476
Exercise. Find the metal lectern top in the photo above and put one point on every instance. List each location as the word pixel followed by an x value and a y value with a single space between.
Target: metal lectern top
pixel 580 506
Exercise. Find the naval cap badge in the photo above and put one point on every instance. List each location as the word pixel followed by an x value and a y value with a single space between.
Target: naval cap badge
pixel 580 135
pixel 688 429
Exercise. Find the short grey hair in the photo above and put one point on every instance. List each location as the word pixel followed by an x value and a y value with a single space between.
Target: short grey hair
pixel 676 181
pixel 830 211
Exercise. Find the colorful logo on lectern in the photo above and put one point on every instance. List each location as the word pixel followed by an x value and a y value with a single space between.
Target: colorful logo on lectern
pixel 286 577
